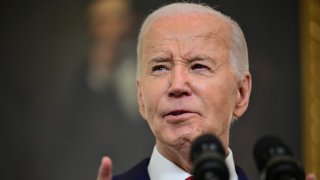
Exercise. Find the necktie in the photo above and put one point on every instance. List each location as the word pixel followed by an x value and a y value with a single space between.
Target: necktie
pixel 190 178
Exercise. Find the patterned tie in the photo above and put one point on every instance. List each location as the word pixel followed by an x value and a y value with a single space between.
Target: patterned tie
pixel 190 178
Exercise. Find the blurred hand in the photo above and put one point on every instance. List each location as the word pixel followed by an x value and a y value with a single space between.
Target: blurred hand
pixel 311 176
pixel 105 169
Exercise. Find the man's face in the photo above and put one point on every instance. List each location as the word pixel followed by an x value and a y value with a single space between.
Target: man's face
pixel 187 86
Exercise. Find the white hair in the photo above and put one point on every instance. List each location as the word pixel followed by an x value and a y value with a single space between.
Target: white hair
pixel 238 48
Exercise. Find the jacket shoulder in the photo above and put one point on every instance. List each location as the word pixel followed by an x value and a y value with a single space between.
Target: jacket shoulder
pixel 241 174
pixel 139 172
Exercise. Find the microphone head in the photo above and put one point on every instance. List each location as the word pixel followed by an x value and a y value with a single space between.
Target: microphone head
pixel 208 158
pixel 275 160
pixel 268 147
pixel 206 143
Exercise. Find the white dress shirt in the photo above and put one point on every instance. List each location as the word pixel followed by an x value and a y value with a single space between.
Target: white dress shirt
pixel 160 168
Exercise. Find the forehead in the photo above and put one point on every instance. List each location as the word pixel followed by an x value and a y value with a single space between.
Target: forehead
pixel 183 36
pixel 188 27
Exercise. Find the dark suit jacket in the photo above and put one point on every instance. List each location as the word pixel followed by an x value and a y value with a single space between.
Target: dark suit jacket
pixel 140 172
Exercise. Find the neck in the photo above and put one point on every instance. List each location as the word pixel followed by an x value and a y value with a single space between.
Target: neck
pixel 177 155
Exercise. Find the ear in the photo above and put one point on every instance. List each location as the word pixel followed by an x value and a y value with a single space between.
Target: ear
pixel 243 96
pixel 140 99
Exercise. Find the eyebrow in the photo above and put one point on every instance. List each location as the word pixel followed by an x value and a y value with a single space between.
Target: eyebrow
pixel 189 59
pixel 198 58
pixel 159 60
pixel 201 58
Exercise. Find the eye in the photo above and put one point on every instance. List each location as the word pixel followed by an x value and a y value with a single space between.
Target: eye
pixel 159 68
pixel 199 67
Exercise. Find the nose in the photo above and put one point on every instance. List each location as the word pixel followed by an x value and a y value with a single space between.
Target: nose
pixel 179 84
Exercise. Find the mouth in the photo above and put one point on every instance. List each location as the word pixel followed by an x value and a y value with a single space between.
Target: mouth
pixel 177 112
pixel 179 115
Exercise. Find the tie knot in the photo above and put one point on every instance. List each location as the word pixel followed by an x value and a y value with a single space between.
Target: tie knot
pixel 190 178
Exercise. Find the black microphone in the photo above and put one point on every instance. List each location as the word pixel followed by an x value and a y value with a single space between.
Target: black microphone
pixel 208 159
pixel 275 160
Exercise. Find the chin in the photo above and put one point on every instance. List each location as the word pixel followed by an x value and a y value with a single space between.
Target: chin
pixel 179 136
pixel 183 139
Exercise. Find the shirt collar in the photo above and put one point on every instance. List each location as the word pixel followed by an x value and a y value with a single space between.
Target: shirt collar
pixel 160 168
pixel 231 166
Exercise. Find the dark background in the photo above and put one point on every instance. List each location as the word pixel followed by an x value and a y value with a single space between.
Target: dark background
pixel 43 45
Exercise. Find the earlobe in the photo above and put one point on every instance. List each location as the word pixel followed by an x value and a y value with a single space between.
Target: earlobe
pixel 244 91
pixel 140 100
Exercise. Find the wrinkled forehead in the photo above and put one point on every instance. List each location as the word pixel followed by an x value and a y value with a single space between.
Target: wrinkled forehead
pixel 189 26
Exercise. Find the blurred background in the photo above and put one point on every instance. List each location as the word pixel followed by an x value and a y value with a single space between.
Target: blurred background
pixel 68 90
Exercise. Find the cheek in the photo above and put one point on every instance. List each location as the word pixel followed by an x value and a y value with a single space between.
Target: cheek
pixel 219 99
pixel 153 92
pixel 153 95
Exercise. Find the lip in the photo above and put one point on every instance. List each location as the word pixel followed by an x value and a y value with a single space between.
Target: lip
pixel 177 116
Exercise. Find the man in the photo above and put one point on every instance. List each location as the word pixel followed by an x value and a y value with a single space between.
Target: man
pixel 193 78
